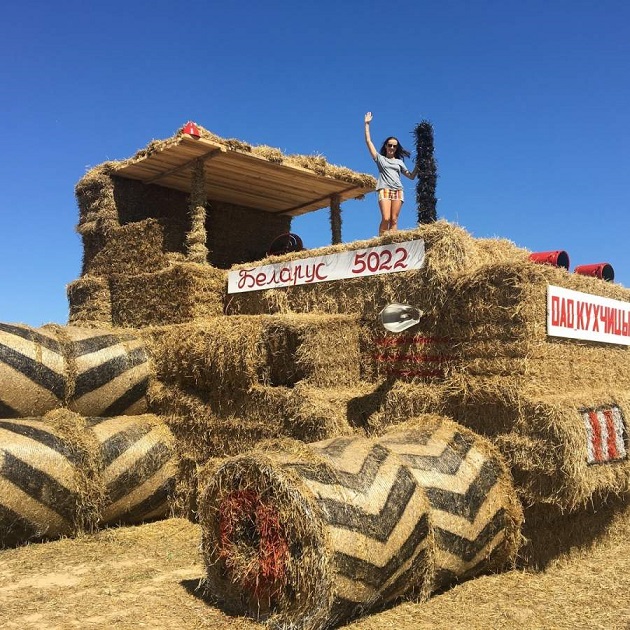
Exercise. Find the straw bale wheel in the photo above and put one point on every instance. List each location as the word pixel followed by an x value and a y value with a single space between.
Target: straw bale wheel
pixel 95 372
pixel 63 474
pixel 307 536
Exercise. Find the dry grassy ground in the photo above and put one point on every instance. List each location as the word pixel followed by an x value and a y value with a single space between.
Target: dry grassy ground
pixel 145 577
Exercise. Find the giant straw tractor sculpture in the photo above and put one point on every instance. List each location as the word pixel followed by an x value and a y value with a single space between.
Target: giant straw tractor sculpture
pixel 335 466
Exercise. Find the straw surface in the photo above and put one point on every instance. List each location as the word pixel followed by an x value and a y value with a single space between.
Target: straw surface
pixel 393 517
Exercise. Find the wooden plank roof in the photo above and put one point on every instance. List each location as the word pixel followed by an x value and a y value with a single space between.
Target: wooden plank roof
pixel 240 178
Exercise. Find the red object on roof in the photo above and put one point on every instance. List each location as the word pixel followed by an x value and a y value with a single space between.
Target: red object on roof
pixel 192 130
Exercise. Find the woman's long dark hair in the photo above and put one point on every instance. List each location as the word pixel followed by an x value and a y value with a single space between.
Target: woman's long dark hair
pixel 401 153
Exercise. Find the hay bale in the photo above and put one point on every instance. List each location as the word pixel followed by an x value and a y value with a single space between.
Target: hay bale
pixel 474 509
pixel 202 432
pixel 179 293
pixel 126 249
pixel 308 536
pixel 321 350
pixel 548 439
pixel 450 250
pixel 320 413
pixel 210 355
pixel 241 352
pixel 62 474
pixel 551 533
pixel 392 401
pixel 108 371
pixel 497 318
pixel 206 429
pixel 32 371
pixel 95 197
pixel 40 484
pixel 250 233
pixel 90 371
pixel 420 354
pixel 138 468
pixel 90 302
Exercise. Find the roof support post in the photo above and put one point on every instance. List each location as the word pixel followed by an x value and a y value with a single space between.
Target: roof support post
pixel 335 218
pixel 196 250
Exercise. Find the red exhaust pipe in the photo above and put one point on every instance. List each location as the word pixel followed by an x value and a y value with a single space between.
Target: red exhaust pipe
pixel 603 271
pixel 558 258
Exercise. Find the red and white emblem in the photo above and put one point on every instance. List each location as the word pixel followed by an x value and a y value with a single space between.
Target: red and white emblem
pixel 606 435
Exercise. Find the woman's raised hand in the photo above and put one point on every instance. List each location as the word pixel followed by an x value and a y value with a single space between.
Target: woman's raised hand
pixel 368 118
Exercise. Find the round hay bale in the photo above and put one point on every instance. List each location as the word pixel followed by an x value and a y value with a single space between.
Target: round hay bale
pixel 64 474
pixel 108 371
pixel 94 372
pixel 40 488
pixel 138 467
pixel 32 371
pixel 307 536
pixel 474 508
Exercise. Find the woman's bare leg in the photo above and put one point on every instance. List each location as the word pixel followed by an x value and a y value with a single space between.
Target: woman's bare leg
pixel 385 206
pixel 394 212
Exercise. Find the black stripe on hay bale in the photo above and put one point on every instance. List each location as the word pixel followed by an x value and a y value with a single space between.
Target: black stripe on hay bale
pixel 34 371
pixel 375 526
pixel 130 400
pixel 103 373
pixel 40 478
pixel 144 467
pixel 33 335
pixel 109 372
pixel 15 528
pixel 114 445
pixel 8 412
pixel 376 516
pixel 40 486
pixel 24 367
pixel 41 434
pixel 475 513
pixel 99 341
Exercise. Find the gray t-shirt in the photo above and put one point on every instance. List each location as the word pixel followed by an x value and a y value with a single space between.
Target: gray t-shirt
pixel 389 170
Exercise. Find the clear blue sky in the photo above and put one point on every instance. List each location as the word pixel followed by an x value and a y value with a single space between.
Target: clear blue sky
pixel 530 103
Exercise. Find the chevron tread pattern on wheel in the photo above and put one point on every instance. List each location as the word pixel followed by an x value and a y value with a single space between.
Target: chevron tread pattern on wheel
pixel 468 504
pixel 138 468
pixel 91 372
pixel 38 494
pixel 377 518
pixel 40 475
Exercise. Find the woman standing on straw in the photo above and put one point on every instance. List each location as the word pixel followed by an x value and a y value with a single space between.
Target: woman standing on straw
pixel 390 165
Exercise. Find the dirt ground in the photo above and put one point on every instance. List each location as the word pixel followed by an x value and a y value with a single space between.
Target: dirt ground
pixel 147 576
